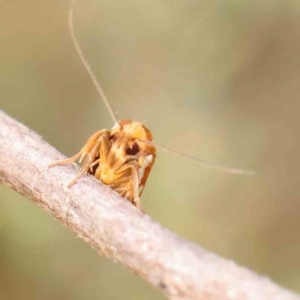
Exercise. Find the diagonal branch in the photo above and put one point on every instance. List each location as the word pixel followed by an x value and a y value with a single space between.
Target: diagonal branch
pixel 116 229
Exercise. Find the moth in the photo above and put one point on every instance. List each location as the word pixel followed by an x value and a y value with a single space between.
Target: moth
pixel 122 157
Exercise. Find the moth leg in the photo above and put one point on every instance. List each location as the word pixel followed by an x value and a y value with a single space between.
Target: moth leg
pixel 81 173
pixel 71 160
pixel 92 145
pixel 132 193
pixel 88 162
pixel 87 148
pixel 88 153
pixel 66 161
pixel 103 155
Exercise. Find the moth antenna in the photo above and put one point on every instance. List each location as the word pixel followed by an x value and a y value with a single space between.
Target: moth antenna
pixel 87 65
pixel 208 164
pixel 203 162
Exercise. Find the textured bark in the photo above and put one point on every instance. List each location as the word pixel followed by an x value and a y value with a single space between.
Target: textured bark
pixel 116 229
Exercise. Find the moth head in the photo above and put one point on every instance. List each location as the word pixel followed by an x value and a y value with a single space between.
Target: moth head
pixel 131 138
pixel 136 130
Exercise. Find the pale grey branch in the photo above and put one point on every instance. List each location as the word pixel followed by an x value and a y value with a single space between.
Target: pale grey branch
pixel 116 229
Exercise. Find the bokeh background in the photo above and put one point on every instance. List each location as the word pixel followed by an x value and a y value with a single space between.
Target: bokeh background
pixel 219 80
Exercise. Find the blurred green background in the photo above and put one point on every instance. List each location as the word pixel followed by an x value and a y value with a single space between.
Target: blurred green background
pixel 219 80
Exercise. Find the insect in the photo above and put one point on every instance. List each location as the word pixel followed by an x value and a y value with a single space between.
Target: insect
pixel 122 157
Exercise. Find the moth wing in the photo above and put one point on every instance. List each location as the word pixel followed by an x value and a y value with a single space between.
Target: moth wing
pixel 144 171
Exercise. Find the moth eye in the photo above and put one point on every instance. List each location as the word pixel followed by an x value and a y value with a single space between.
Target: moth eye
pixel 133 150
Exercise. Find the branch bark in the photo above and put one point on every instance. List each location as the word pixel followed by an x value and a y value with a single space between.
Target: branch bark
pixel 116 229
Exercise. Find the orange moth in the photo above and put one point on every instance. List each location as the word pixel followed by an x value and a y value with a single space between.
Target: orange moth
pixel 122 157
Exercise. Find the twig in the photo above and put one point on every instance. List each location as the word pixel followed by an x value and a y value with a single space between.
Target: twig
pixel 116 229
